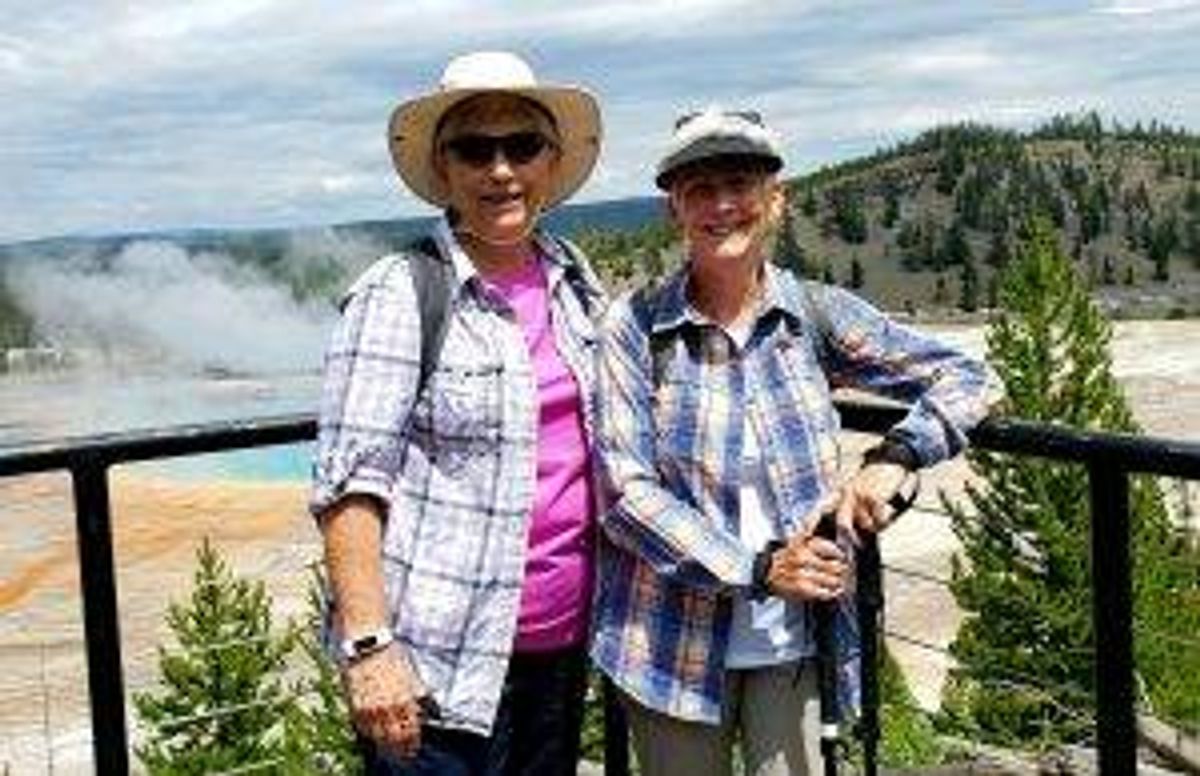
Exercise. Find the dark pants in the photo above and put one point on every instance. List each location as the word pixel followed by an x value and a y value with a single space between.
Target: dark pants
pixel 536 732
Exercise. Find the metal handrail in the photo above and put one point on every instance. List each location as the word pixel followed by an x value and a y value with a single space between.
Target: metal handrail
pixel 1110 458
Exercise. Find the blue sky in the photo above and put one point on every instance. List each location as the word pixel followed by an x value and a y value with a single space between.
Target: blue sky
pixel 137 115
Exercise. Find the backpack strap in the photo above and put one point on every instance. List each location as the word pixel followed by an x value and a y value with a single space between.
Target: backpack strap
pixel 432 276
pixel 641 302
pixel 580 275
pixel 816 313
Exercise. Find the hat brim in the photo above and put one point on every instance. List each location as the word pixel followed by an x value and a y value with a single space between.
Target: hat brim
pixel 716 150
pixel 575 111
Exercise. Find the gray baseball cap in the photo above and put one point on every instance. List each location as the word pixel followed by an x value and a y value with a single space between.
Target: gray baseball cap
pixel 718 133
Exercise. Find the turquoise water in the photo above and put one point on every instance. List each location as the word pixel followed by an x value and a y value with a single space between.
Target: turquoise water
pixel 279 463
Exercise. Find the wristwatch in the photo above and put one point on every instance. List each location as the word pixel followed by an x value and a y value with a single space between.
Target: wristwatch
pixel 356 648
pixel 892 450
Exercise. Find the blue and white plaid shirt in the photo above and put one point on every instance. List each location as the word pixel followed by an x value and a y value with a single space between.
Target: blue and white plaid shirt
pixel 675 394
pixel 459 477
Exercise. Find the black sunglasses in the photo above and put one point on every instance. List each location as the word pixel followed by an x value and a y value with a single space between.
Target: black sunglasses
pixel 479 150
pixel 752 116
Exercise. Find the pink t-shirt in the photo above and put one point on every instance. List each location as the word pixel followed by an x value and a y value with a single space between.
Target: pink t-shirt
pixel 556 592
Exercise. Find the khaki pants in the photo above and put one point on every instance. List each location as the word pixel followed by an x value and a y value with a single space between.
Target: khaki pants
pixel 775 719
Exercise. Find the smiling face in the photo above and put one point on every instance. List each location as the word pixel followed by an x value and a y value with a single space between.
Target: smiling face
pixel 497 155
pixel 726 211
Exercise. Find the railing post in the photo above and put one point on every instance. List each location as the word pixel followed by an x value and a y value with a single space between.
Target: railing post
pixel 1112 613
pixel 97 581
pixel 616 732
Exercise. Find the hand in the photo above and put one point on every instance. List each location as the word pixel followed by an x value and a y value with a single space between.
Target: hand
pixel 808 568
pixel 383 692
pixel 863 502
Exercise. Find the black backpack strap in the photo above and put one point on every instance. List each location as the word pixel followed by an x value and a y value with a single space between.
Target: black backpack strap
pixel 432 276
pixel 580 275
pixel 641 302
pixel 816 313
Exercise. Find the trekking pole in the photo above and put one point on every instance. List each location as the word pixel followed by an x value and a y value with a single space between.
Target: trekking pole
pixel 869 599
pixel 869 603
pixel 827 665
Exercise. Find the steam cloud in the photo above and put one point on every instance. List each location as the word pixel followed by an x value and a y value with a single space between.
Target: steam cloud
pixel 157 305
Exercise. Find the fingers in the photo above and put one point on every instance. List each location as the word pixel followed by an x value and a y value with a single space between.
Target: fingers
pixel 395 728
pixel 383 694
pixel 809 568
pixel 865 499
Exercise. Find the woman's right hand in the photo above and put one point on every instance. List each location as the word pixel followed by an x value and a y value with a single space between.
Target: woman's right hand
pixel 808 568
pixel 384 690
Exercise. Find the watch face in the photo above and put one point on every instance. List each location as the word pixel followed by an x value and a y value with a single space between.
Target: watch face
pixel 360 647
pixel 366 643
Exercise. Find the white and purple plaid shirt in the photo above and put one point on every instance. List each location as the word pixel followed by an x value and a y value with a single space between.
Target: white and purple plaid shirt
pixel 459 476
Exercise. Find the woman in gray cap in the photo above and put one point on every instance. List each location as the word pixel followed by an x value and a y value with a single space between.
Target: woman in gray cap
pixel 718 441
pixel 453 468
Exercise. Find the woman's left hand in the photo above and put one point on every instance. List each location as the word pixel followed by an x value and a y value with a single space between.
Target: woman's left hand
pixel 863 503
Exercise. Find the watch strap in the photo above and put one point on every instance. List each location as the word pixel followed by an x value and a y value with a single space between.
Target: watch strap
pixel 760 584
pixel 891 450
pixel 356 648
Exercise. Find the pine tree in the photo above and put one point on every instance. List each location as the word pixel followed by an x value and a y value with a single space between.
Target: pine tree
pixel 998 254
pixel 891 207
pixel 1163 241
pixel 1108 275
pixel 940 294
pixel 1191 243
pixel 968 287
pixel 955 248
pixel 950 166
pixel 789 254
pixel 1191 202
pixel 1025 649
pixel 850 215
pixel 808 203
pixel 222 703
pixel 857 275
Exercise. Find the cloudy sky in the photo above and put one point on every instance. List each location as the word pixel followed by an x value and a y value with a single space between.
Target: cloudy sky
pixel 151 114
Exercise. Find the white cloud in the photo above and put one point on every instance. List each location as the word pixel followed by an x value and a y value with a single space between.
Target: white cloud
pixel 948 60
pixel 1146 7
pixel 147 114
pixel 163 23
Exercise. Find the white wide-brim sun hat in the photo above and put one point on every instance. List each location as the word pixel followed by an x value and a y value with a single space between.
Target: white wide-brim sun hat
pixel 413 124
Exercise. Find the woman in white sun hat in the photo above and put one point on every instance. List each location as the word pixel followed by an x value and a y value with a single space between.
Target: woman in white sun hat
pixel 456 505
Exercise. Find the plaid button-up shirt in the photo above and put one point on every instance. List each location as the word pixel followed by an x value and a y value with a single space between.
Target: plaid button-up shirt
pixel 675 395
pixel 459 476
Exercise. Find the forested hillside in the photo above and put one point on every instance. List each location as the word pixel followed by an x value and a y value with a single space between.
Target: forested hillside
pixel 925 225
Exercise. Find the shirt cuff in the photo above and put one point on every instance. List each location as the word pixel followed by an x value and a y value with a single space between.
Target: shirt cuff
pixel 363 481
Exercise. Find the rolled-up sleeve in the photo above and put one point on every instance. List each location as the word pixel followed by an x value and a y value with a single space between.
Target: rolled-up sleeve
pixel 643 516
pixel 370 379
pixel 947 390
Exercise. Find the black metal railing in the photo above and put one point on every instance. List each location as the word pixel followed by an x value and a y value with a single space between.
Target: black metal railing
pixel 1109 458
pixel 88 461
